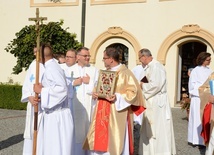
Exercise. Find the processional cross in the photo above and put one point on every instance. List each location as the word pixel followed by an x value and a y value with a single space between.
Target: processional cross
pixel 37 21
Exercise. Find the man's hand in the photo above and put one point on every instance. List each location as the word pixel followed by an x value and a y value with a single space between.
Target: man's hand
pixel 94 95
pixel 111 98
pixel 77 81
pixel 33 100
pixel 37 88
pixel 86 79
pixel 211 98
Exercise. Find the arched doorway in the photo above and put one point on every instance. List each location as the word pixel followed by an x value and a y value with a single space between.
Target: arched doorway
pixel 185 32
pixel 169 50
pixel 168 55
pixel 188 52
pixel 111 34
pixel 128 56
pixel 124 52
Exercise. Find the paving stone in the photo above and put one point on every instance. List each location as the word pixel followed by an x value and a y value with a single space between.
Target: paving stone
pixel 12 124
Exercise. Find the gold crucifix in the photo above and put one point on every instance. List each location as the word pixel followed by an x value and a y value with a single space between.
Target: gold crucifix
pixel 37 21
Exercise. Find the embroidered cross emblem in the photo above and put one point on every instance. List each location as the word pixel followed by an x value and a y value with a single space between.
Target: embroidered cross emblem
pixel 32 77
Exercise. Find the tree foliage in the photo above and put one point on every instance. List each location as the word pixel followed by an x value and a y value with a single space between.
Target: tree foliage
pixel 53 33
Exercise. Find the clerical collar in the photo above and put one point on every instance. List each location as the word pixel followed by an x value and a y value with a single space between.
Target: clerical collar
pixel 83 66
pixel 115 68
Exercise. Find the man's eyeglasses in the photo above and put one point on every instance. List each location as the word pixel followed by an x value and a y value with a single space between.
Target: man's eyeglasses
pixel 85 56
pixel 105 58
pixel 141 56
pixel 69 57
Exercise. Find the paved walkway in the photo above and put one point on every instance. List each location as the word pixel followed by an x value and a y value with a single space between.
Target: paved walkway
pixel 12 124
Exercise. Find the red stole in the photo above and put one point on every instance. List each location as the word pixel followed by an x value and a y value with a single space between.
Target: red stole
pixel 101 126
pixel 101 137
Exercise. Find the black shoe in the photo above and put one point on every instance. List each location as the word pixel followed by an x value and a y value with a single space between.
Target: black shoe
pixel 191 144
pixel 201 147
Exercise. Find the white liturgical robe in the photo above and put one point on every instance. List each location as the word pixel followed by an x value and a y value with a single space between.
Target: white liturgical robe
pixel 69 78
pixel 197 78
pixel 157 134
pixel 55 131
pixel 138 72
pixel 27 90
pixel 82 103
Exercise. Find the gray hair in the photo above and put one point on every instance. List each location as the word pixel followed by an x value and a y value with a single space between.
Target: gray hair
pixel 145 52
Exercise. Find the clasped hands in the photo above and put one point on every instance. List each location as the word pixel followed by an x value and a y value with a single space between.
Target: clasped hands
pixel 80 80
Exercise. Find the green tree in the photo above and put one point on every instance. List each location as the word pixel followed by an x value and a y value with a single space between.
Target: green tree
pixel 53 33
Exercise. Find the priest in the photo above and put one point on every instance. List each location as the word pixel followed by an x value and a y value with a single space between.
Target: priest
pixel 157 134
pixel 84 79
pixel 111 129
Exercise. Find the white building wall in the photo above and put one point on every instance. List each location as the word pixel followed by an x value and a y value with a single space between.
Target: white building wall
pixel 150 23
pixel 14 16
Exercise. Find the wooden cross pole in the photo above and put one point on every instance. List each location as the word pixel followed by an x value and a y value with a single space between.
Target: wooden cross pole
pixel 37 21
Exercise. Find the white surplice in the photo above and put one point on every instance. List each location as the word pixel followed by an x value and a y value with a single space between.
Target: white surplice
pixel 55 131
pixel 82 104
pixel 157 134
pixel 27 91
pixel 69 78
pixel 138 72
pixel 197 78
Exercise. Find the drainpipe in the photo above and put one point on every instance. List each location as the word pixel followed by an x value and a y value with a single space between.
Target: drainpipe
pixel 83 22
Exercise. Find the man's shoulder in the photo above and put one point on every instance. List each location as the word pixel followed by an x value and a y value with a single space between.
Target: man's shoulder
pixel 127 74
pixel 199 68
pixel 124 70
pixel 155 63
pixel 32 63
pixel 52 64
pixel 32 66
pixel 63 66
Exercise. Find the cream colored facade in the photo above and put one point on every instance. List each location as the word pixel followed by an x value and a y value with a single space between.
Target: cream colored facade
pixel 163 26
